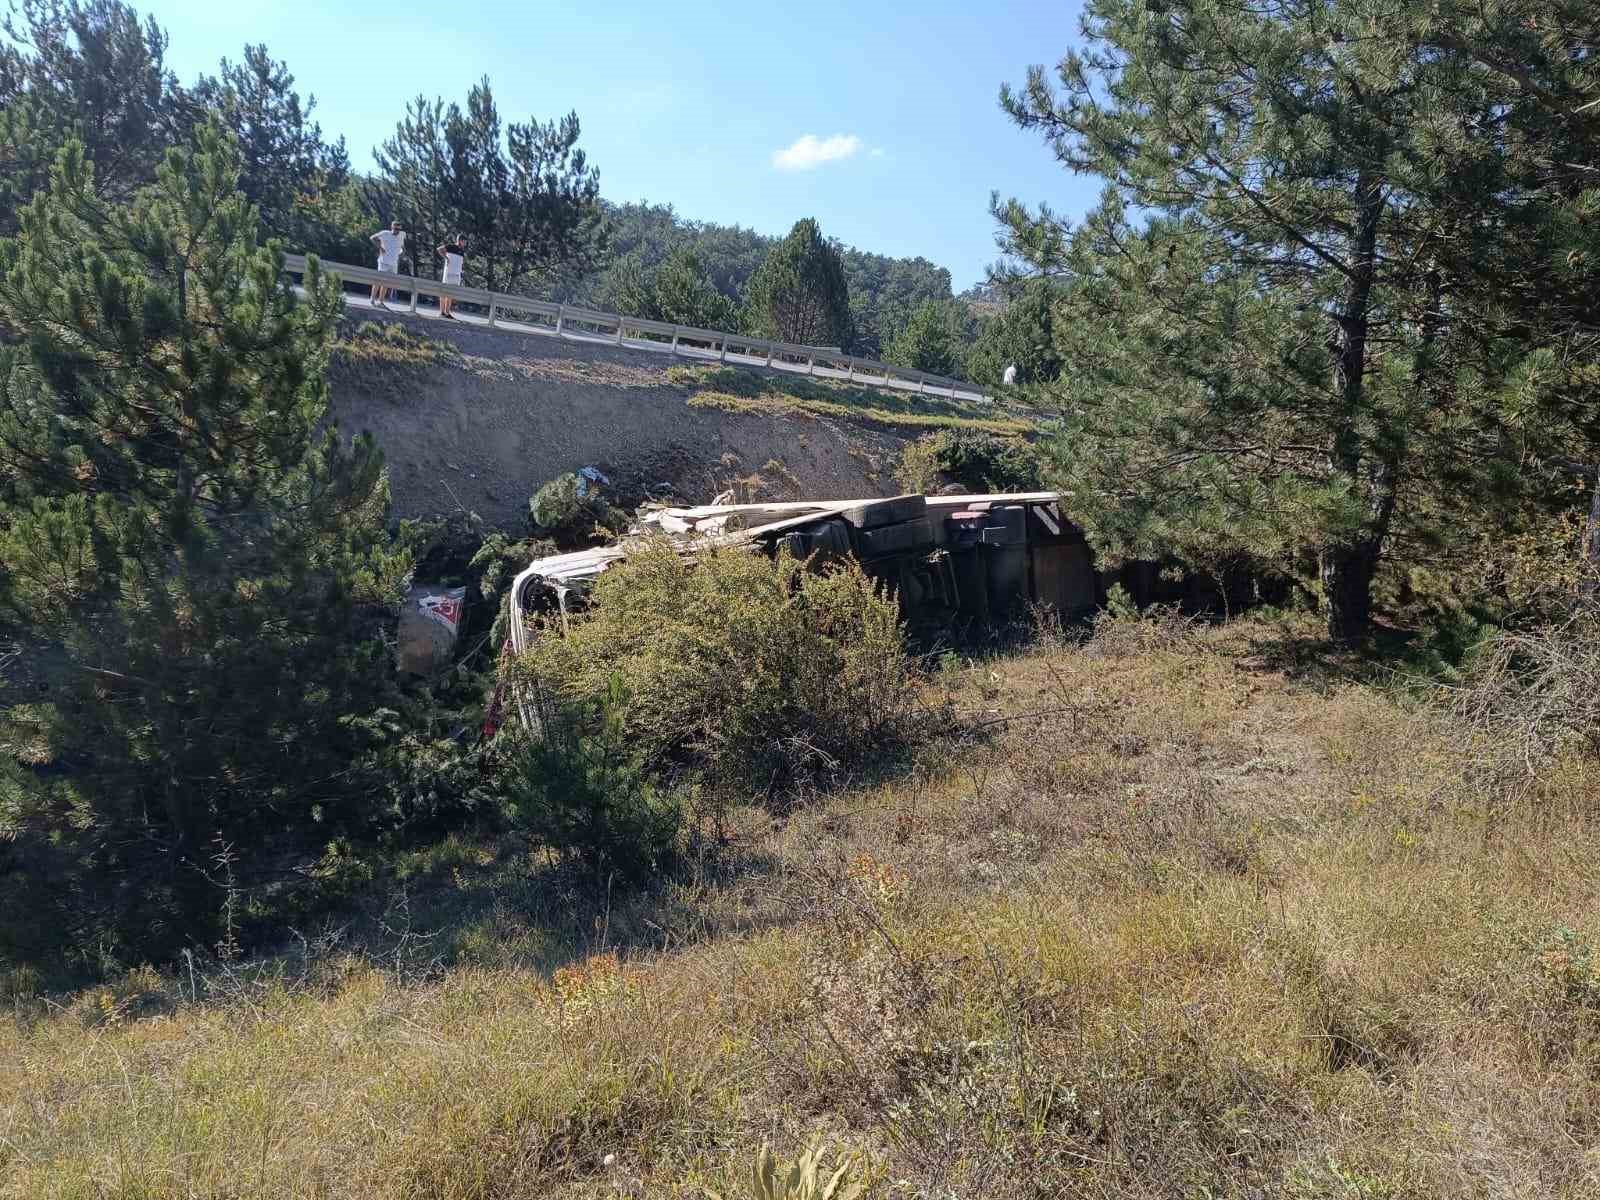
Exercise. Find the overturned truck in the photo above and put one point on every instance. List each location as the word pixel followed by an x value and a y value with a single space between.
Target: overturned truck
pixel 948 559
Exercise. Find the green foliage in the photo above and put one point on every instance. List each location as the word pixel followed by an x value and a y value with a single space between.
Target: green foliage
pixel 413 182
pixel 680 290
pixel 392 342
pixel 571 512
pixel 975 460
pixel 685 295
pixel 1120 605
pixel 884 292
pixel 1338 299
pixel 760 673
pixel 286 170
pixel 1021 334
pixel 523 193
pixel 214 562
pixel 580 786
pixel 805 1180
pixel 90 71
pixel 800 293
pixel 934 339
pixel 1445 655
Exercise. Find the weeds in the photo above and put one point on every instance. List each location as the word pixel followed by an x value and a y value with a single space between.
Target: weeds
pixel 738 390
pixel 1531 698
pixel 390 342
pixel 1173 927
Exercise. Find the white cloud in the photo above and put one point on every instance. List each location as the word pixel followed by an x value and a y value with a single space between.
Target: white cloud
pixel 809 152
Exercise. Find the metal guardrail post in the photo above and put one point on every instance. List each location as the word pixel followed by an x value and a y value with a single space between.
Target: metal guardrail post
pixel 413 292
pixel 723 357
pixel 619 330
pixel 492 309
pixel 675 331
pixel 769 353
pixel 850 375
pixel 561 317
pixel 811 364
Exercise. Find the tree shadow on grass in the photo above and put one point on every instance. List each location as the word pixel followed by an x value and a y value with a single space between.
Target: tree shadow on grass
pixel 1303 652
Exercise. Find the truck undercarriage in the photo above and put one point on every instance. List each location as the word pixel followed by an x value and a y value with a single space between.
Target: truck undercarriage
pixel 948 559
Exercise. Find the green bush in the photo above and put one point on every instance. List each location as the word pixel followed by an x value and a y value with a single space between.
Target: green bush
pixel 976 461
pixel 570 514
pixel 581 787
pixel 761 674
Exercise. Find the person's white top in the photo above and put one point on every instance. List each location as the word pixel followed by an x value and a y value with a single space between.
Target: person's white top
pixel 452 267
pixel 390 244
pixel 1011 375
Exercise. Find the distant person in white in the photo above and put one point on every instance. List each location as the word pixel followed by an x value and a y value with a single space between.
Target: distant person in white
pixel 1011 375
pixel 389 242
pixel 454 253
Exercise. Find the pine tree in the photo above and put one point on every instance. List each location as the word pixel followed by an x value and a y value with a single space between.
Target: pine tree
pixel 285 164
pixel 177 515
pixel 476 181
pixel 682 292
pixel 524 194
pixel 1021 334
pixel 799 294
pixel 414 167
pixel 1316 335
pixel 551 217
pixel 933 339
pixel 85 69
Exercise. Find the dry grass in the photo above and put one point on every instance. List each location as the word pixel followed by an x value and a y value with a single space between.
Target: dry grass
pixel 1189 929
pixel 392 343
pixel 734 389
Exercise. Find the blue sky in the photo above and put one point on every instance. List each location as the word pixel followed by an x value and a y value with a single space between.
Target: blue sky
pixel 695 103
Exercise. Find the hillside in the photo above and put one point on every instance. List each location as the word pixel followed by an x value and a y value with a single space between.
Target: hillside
pixel 475 419
pixel 1170 916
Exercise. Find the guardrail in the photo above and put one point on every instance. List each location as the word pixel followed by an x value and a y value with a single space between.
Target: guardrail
pixel 524 314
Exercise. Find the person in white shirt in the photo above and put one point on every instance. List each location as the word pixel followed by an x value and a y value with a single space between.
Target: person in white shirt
pixel 454 253
pixel 1011 375
pixel 389 242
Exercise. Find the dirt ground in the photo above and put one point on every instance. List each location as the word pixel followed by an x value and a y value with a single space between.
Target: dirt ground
pixel 484 430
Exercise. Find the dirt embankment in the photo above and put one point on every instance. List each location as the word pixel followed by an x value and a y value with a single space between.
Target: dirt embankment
pixel 478 420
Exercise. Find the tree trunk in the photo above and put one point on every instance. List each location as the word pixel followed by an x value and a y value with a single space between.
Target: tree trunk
pixel 1347 573
pixel 1349 564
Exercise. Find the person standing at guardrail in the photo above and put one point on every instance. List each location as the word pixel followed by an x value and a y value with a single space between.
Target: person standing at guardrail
pixel 454 253
pixel 389 242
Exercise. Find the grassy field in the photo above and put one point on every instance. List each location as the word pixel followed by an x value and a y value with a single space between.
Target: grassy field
pixel 735 389
pixel 1164 915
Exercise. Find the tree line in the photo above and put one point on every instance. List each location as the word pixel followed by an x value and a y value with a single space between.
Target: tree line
pixel 523 193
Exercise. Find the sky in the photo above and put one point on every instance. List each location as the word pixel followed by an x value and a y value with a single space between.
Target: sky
pixel 882 121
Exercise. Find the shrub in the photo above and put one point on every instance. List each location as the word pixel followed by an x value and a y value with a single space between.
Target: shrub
pixel 580 787
pixel 569 511
pixel 807 1179
pixel 760 673
pixel 977 461
pixel 1533 695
